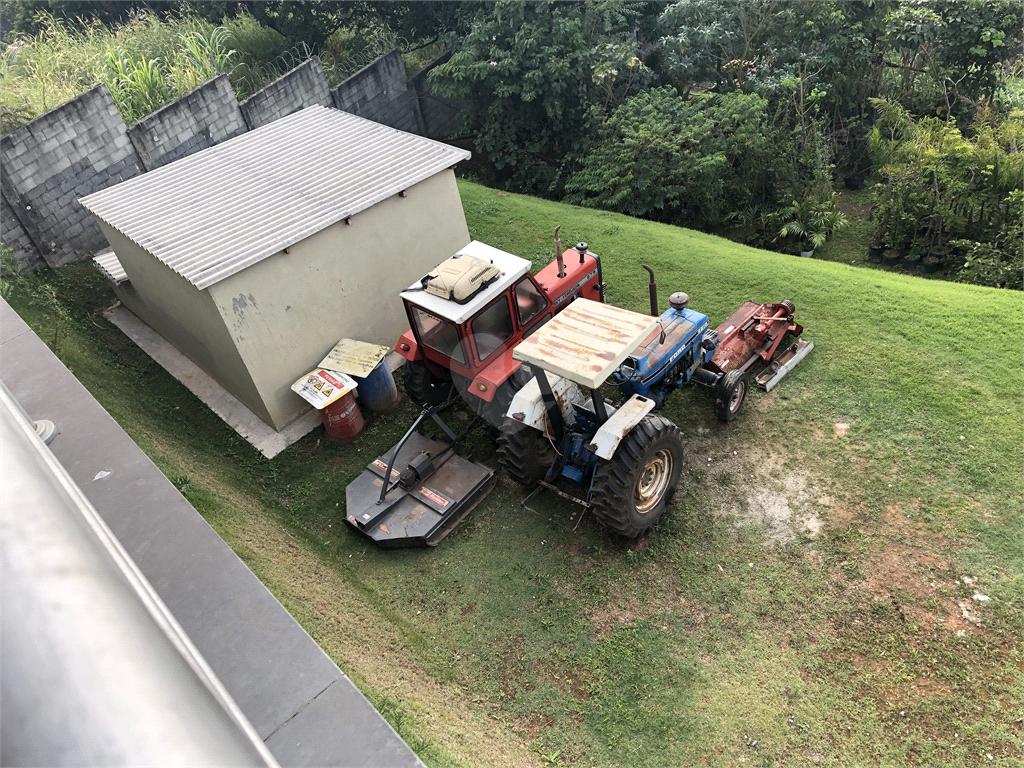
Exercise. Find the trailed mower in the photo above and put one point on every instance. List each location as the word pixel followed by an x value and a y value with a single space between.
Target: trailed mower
pixel 529 355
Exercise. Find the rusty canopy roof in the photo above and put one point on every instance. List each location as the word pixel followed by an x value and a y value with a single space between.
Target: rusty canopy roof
pixel 212 214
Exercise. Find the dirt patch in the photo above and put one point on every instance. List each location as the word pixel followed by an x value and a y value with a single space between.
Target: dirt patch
pixel 577 681
pixel 899 569
pixel 751 486
pixel 651 590
pixel 537 724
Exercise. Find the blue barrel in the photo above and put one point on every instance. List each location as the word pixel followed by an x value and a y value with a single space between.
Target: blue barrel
pixel 378 391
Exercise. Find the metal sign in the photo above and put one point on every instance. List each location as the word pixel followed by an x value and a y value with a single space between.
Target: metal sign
pixel 356 358
pixel 320 388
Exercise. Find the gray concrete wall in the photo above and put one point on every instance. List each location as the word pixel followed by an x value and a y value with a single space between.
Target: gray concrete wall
pixel 14 236
pixel 201 118
pixel 83 146
pixel 441 116
pixel 186 317
pixel 286 312
pixel 380 92
pixel 301 87
pixel 72 151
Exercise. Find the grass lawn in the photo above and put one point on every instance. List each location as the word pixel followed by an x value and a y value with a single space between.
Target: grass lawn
pixel 809 598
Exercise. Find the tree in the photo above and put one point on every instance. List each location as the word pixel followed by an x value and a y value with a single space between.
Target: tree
pixel 539 77
pixel 664 157
pixel 946 55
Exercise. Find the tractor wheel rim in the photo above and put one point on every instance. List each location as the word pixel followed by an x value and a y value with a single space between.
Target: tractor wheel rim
pixel 737 396
pixel 653 481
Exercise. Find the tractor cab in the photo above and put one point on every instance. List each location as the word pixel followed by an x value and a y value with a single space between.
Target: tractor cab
pixel 472 308
pixel 467 315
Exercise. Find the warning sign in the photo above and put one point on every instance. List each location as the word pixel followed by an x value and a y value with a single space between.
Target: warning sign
pixel 321 387
pixel 356 358
pixel 383 467
pixel 437 498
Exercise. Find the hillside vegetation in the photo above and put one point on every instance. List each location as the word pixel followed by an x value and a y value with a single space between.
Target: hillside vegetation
pixel 814 595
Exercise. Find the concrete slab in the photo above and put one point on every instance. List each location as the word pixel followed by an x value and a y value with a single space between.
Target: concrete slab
pixel 272 668
pixel 256 432
pixel 301 741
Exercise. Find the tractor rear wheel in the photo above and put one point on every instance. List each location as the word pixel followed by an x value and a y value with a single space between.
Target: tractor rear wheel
pixel 732 391
pixel 524 453
pixel 633 488
pixel 423 386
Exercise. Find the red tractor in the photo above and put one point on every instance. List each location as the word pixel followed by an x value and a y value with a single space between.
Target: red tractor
pixel 467 316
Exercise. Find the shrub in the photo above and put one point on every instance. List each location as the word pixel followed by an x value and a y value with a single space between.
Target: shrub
pixel 999 263
pixel 664 157
pixel 937 184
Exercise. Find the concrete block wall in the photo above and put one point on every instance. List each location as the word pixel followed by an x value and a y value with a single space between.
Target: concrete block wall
pixel 201 118
pixel 380 92
pixel 71 151
pixel 83 146
pixel 14 236
pixel 301 87
pixel 441 116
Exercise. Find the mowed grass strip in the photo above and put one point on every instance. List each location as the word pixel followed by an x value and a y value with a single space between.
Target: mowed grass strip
pixel 808 598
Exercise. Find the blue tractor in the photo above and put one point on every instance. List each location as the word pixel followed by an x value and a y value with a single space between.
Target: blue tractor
pixel 627 458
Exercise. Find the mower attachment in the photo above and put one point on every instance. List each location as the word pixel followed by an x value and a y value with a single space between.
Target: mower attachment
pixel 431 488
pixel 783 363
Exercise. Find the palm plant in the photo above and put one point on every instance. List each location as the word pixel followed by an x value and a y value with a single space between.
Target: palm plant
pixel 813 220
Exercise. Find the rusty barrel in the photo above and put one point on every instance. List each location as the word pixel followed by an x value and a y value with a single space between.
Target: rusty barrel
pixel 342 419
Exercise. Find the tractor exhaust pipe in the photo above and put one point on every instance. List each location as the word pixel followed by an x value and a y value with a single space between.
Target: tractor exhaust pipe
pixel 558 253
pixel 653 289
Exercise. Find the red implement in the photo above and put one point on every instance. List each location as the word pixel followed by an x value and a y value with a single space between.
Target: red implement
pixel 752 334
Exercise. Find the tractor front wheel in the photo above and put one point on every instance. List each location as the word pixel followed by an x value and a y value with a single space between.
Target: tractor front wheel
pixel 423 386
pixel 732 391
pixel 634 487
pixel 524 453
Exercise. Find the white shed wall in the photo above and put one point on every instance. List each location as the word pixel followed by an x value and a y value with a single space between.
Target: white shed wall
pixel 287 311
pixel 185 316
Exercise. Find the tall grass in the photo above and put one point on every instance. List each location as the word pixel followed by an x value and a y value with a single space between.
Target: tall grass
pixel 145 63
pixel 148 62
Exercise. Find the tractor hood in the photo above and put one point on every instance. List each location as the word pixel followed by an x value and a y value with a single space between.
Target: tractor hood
pixel 679 327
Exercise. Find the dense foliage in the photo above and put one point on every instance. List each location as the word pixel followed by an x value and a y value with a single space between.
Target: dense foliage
pixel 697 112
pixel 939 186
pixel 540 77
pixel 665 157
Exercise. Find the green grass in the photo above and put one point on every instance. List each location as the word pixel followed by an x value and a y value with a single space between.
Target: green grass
pixel 798 602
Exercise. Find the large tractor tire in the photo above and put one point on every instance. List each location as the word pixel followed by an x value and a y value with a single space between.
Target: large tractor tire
pixel 729 397
pixel 633 488
pixel 492 413
pixel 424 387
pixel 524 453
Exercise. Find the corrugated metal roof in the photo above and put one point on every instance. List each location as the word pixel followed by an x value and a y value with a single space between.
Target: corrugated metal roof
pixel 212 214
pixel 109 266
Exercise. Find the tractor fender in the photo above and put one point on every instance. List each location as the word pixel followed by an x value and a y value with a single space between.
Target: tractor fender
pixel 500 370
pixel 408 348
pixel 608 436
pixel 528 406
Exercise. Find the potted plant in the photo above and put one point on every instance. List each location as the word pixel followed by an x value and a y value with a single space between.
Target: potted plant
pixel 912 256
pixel 812 220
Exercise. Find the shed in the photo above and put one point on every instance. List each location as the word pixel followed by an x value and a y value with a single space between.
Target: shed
pixel 254 256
